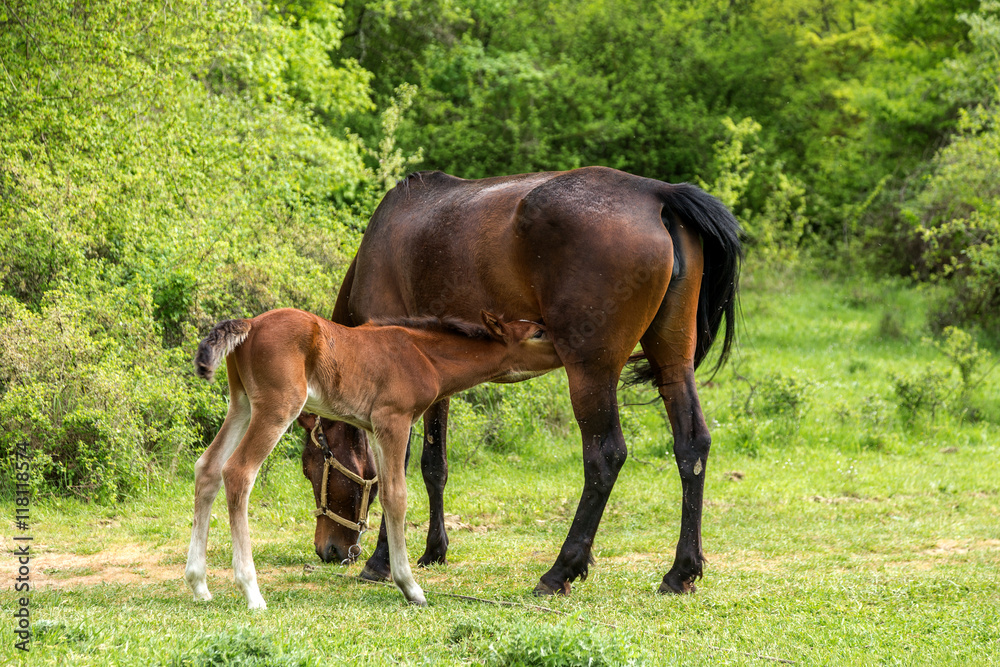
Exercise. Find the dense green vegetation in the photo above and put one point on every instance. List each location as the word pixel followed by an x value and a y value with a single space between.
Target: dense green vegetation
pixel 164 166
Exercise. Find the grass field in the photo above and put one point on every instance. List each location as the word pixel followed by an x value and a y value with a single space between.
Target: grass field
pixel 852 517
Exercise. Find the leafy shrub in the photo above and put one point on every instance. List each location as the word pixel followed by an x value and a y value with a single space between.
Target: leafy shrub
pixel 973 363
pixel 778 395
pixel 87 387
pixel 161 171
pixel 537 644
pixel 774 225
pixel 499 417
pixel 956 216
pixel 242 648
pixel 891 325
pixel 923 393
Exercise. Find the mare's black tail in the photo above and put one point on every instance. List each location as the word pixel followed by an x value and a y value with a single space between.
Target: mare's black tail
pixel 717 300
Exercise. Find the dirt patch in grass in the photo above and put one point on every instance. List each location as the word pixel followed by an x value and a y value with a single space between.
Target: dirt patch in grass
pixel 125 564
pixel 122 564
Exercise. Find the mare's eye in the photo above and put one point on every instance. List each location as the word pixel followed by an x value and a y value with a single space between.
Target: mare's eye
pixel 538 334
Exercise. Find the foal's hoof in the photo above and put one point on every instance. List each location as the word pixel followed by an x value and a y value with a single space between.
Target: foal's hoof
pixel 543 588
pixel 370 574
pixel 676 586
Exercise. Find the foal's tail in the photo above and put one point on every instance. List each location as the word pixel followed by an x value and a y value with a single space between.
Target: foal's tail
pixel 224 337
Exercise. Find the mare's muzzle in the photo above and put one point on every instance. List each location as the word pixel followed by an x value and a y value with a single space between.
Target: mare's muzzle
pixel 330 461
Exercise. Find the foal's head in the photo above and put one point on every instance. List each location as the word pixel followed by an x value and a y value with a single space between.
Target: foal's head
pixel 529 349
pixel 344 497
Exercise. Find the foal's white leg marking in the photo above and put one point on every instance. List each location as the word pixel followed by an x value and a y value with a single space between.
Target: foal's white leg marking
pixel 240 474
pixel 208 479
pixel 392 480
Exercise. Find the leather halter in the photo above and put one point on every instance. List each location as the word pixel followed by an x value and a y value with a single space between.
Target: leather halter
pixel 330 461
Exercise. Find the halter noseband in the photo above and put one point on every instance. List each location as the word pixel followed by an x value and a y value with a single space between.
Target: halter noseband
pixel 330 461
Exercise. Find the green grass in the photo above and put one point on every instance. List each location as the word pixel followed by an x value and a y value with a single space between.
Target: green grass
pixel 836 531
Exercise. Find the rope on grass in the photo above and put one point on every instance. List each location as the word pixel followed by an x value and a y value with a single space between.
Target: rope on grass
pixel 550 610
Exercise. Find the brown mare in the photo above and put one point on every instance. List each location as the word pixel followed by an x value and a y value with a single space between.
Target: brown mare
pixel 606 260
pixel 377 378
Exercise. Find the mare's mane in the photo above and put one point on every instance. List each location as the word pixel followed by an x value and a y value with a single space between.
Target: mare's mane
pixel 449 325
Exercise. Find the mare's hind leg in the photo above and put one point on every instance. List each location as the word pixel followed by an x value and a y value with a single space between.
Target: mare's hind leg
pixel 267 424
pixel 207 480
pixel 595 405
pixel 669 344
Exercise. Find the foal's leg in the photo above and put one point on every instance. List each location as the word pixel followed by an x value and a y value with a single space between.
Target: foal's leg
pixel 377 566
pixel 595 405
pixel 207 480
pixel 434 466
pixel 240 473
pixel 390 437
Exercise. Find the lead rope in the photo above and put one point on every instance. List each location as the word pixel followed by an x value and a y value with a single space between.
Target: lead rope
pixel 330 461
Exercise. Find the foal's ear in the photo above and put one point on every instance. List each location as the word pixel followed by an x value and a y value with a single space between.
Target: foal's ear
pixel 307 420
pixel 495 326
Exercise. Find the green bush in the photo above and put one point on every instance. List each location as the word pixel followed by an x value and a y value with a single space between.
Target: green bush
pixel 241 648
pixel 161 171
pixel 955 217
pixel 566 644
pixel 923 392
pixel 778 396
pixel 87 386
pixel 500 417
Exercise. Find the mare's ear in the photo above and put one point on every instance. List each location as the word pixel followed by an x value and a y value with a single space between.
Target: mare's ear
pixel 307 420
pixel 495 326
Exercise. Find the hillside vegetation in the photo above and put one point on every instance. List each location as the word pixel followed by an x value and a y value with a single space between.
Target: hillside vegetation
pixel 167 165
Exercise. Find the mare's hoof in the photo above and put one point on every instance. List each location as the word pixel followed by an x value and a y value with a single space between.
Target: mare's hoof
pixel 370 574
pixel 427 560
pixel 673 586
pixel 543 588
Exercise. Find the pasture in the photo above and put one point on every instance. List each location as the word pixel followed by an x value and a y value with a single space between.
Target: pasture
pixel 852 517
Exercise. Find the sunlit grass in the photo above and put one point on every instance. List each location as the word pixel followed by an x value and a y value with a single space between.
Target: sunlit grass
pixel 841 536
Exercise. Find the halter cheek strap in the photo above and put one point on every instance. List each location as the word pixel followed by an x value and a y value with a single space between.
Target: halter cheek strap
pixel 330 461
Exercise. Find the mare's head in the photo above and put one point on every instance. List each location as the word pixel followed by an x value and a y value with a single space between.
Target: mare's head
pixel 345 497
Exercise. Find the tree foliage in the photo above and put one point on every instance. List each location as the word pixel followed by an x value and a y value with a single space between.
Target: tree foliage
pixel 164 165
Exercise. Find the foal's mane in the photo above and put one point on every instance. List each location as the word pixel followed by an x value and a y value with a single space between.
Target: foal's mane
pixel 451 325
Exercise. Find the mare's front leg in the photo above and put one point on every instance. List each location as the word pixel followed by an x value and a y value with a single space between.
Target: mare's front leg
pixel 595 405
pixel 434 466
pixel 239 473
pixel 390 436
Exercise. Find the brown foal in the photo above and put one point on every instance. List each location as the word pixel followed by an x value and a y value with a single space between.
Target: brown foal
pixel 379 377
